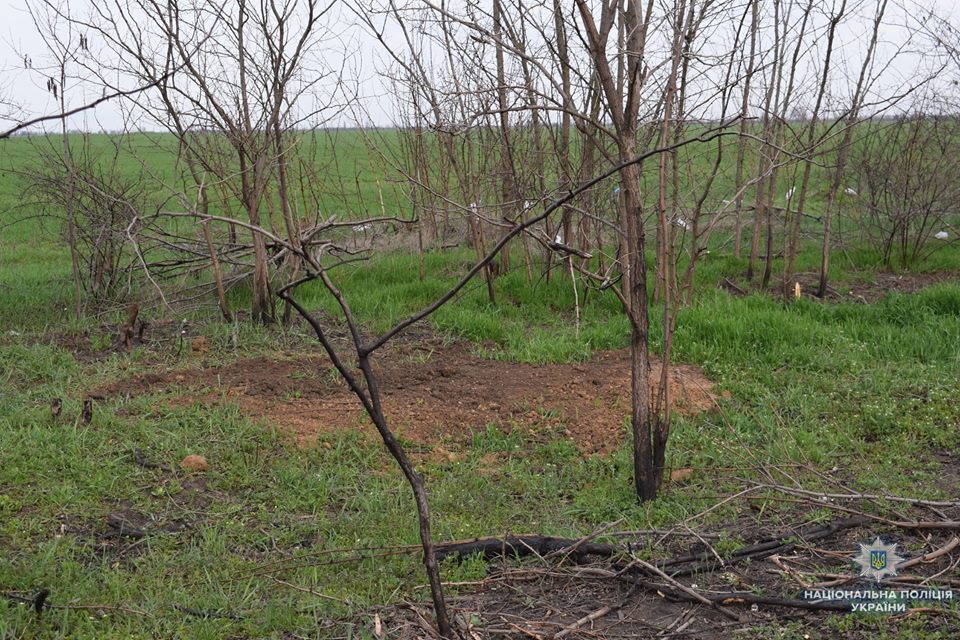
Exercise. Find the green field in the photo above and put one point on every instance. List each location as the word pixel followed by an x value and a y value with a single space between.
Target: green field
pixel 838 396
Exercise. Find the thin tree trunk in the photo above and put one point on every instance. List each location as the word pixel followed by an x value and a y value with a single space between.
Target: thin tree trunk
pixel 766 160
pixel 794 242
pixel 215 262
pixel 509 195
pixel 743 142
pixel 71 195
pixel 845 150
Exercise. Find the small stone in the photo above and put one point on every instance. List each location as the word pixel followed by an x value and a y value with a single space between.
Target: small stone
pixel 194 463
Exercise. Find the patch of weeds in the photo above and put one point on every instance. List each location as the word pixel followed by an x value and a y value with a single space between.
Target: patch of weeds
pixel 496 440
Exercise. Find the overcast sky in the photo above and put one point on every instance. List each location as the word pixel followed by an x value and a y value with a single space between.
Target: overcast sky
pixel 347 47
pixel 26 89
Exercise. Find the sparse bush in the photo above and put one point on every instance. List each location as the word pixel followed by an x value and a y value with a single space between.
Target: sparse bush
pixel 97 208
pixel 909 176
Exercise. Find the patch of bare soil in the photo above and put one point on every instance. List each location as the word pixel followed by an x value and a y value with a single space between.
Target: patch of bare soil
pixel 873 286
pixel 443 395
pixel 868 286
pixel 540 606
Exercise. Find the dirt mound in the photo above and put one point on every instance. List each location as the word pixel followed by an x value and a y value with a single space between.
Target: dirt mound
pixel 444 395
pixel 866 287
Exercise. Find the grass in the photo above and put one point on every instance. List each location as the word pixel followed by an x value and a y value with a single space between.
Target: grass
pixel 810 382
pixel 869 390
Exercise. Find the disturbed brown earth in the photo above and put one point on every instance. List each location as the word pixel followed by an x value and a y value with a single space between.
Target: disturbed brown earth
pixel 864 288
pixel 435 395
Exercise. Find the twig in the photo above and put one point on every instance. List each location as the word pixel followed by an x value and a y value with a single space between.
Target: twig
pixel 663 534
pixel 735 598
pixel 422 621
pixel 82 108
pixel 763 549
pixel 840 578
pixel 599 613
pixel 101 607
pixel 682 587
pixel 730 284
pixel 582 541
pixel 860 496
pixel 310 591
pixel 945 549
pixel 40 602
pixel 775 559
pixel 121 527
pixel 934 610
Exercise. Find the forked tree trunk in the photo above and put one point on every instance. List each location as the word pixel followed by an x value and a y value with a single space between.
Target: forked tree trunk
pixel 370 398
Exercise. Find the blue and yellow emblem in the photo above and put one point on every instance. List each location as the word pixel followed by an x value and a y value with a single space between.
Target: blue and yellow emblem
pixel 878 560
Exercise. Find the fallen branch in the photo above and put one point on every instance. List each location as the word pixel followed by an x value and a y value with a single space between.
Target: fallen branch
pixel 584 540
pixel 907 580
pixel 763 549
pixel 722 598
pixel 593 617
pixel 688 591
pixel 727 283
pixel 524 545
pixel 40 601
pixel 310 591
pixel 859 496
pixel 200 613
pixel 933 555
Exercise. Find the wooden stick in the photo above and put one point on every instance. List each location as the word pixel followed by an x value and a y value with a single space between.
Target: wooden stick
pixel 945 549
pixel 685 589
pixel 599 613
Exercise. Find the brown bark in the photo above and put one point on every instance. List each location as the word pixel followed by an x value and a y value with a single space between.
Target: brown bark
pixel 844 151
pixel 743 142
pixel 794 238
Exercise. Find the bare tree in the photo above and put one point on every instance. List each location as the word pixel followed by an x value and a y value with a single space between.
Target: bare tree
pixel 522 118
pixel 813 136
pixel 231 83
pixel 856 103
pixel 355 364
pixel 908 181
pixel 744 119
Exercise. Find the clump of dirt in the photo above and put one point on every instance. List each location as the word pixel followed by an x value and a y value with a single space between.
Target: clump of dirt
pixel 444 395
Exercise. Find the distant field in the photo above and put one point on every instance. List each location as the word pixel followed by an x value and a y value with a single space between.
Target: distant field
pixel 358 178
